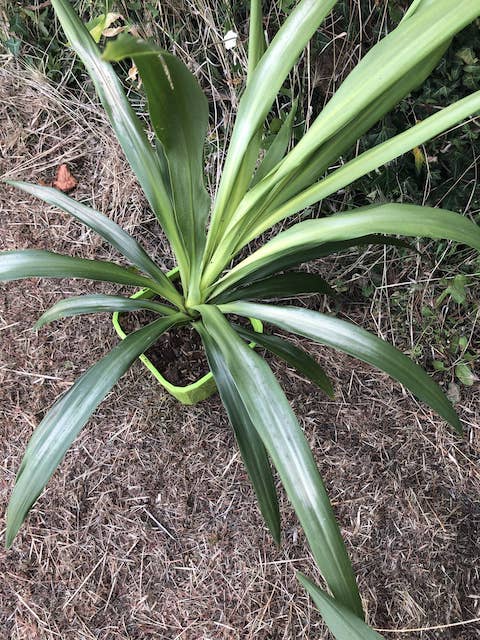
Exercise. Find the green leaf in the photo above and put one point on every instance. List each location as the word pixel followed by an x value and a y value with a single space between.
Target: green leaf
pixel 35 263
pixel 295 258
pixel 457 288
pixel 107 229
pixel 335 147
pixel 97 25
pixel 245 174
pixel 286 445
pixel 256 48
pixel 366 162
pixel 392 68
pixel 256 37
pixel 465 375
pixel 179 115
pixel 139 152
pixel 285 285
pixel 408 220
pixel 291 354
pixel 63 422
pixel 416 6
pixel 278 148
pixel 79 305
pixel 343 624
pixel 263 86
pixel 251 447
pixel 387 62
pixel 355 341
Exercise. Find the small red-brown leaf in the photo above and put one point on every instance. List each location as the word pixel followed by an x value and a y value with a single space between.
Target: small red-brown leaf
pixel 64 180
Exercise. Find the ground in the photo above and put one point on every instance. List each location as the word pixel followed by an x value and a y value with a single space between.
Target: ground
pixel 149 528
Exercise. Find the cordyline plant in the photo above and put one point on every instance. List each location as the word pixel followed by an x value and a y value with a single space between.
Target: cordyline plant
pixel 252 196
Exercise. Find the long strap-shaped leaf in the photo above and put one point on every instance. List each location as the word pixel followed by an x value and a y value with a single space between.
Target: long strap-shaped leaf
pixel 402 219
pixel 369 161
pixel 393 56
pixel 386 66
pixel 272 193
pixel 63 422
pixel 251 446
pixel 33 263
pixel 284 285
pixel 286 444
pixel 263 86
pixel 244 174
pixel 107 229
pixel 301 255
pixel 179 114
pixel 256 37
pixel 357 342
pixel 139 152
pixel 278 148
pixel 416 6
pixel 98 303
pixel 343 624
pixel 361 165
pixel 301 361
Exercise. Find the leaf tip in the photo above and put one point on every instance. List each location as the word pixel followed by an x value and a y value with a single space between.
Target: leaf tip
pixel 457 425
pixel 302 578
pixel 12 528
pixel 38 325
pixel 9 538
pixel 277 536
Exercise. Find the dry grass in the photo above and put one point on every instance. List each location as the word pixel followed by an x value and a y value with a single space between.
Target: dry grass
pixel 149 528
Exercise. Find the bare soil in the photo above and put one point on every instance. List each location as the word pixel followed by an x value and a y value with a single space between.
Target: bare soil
pixel 178 354
pixel 149 528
